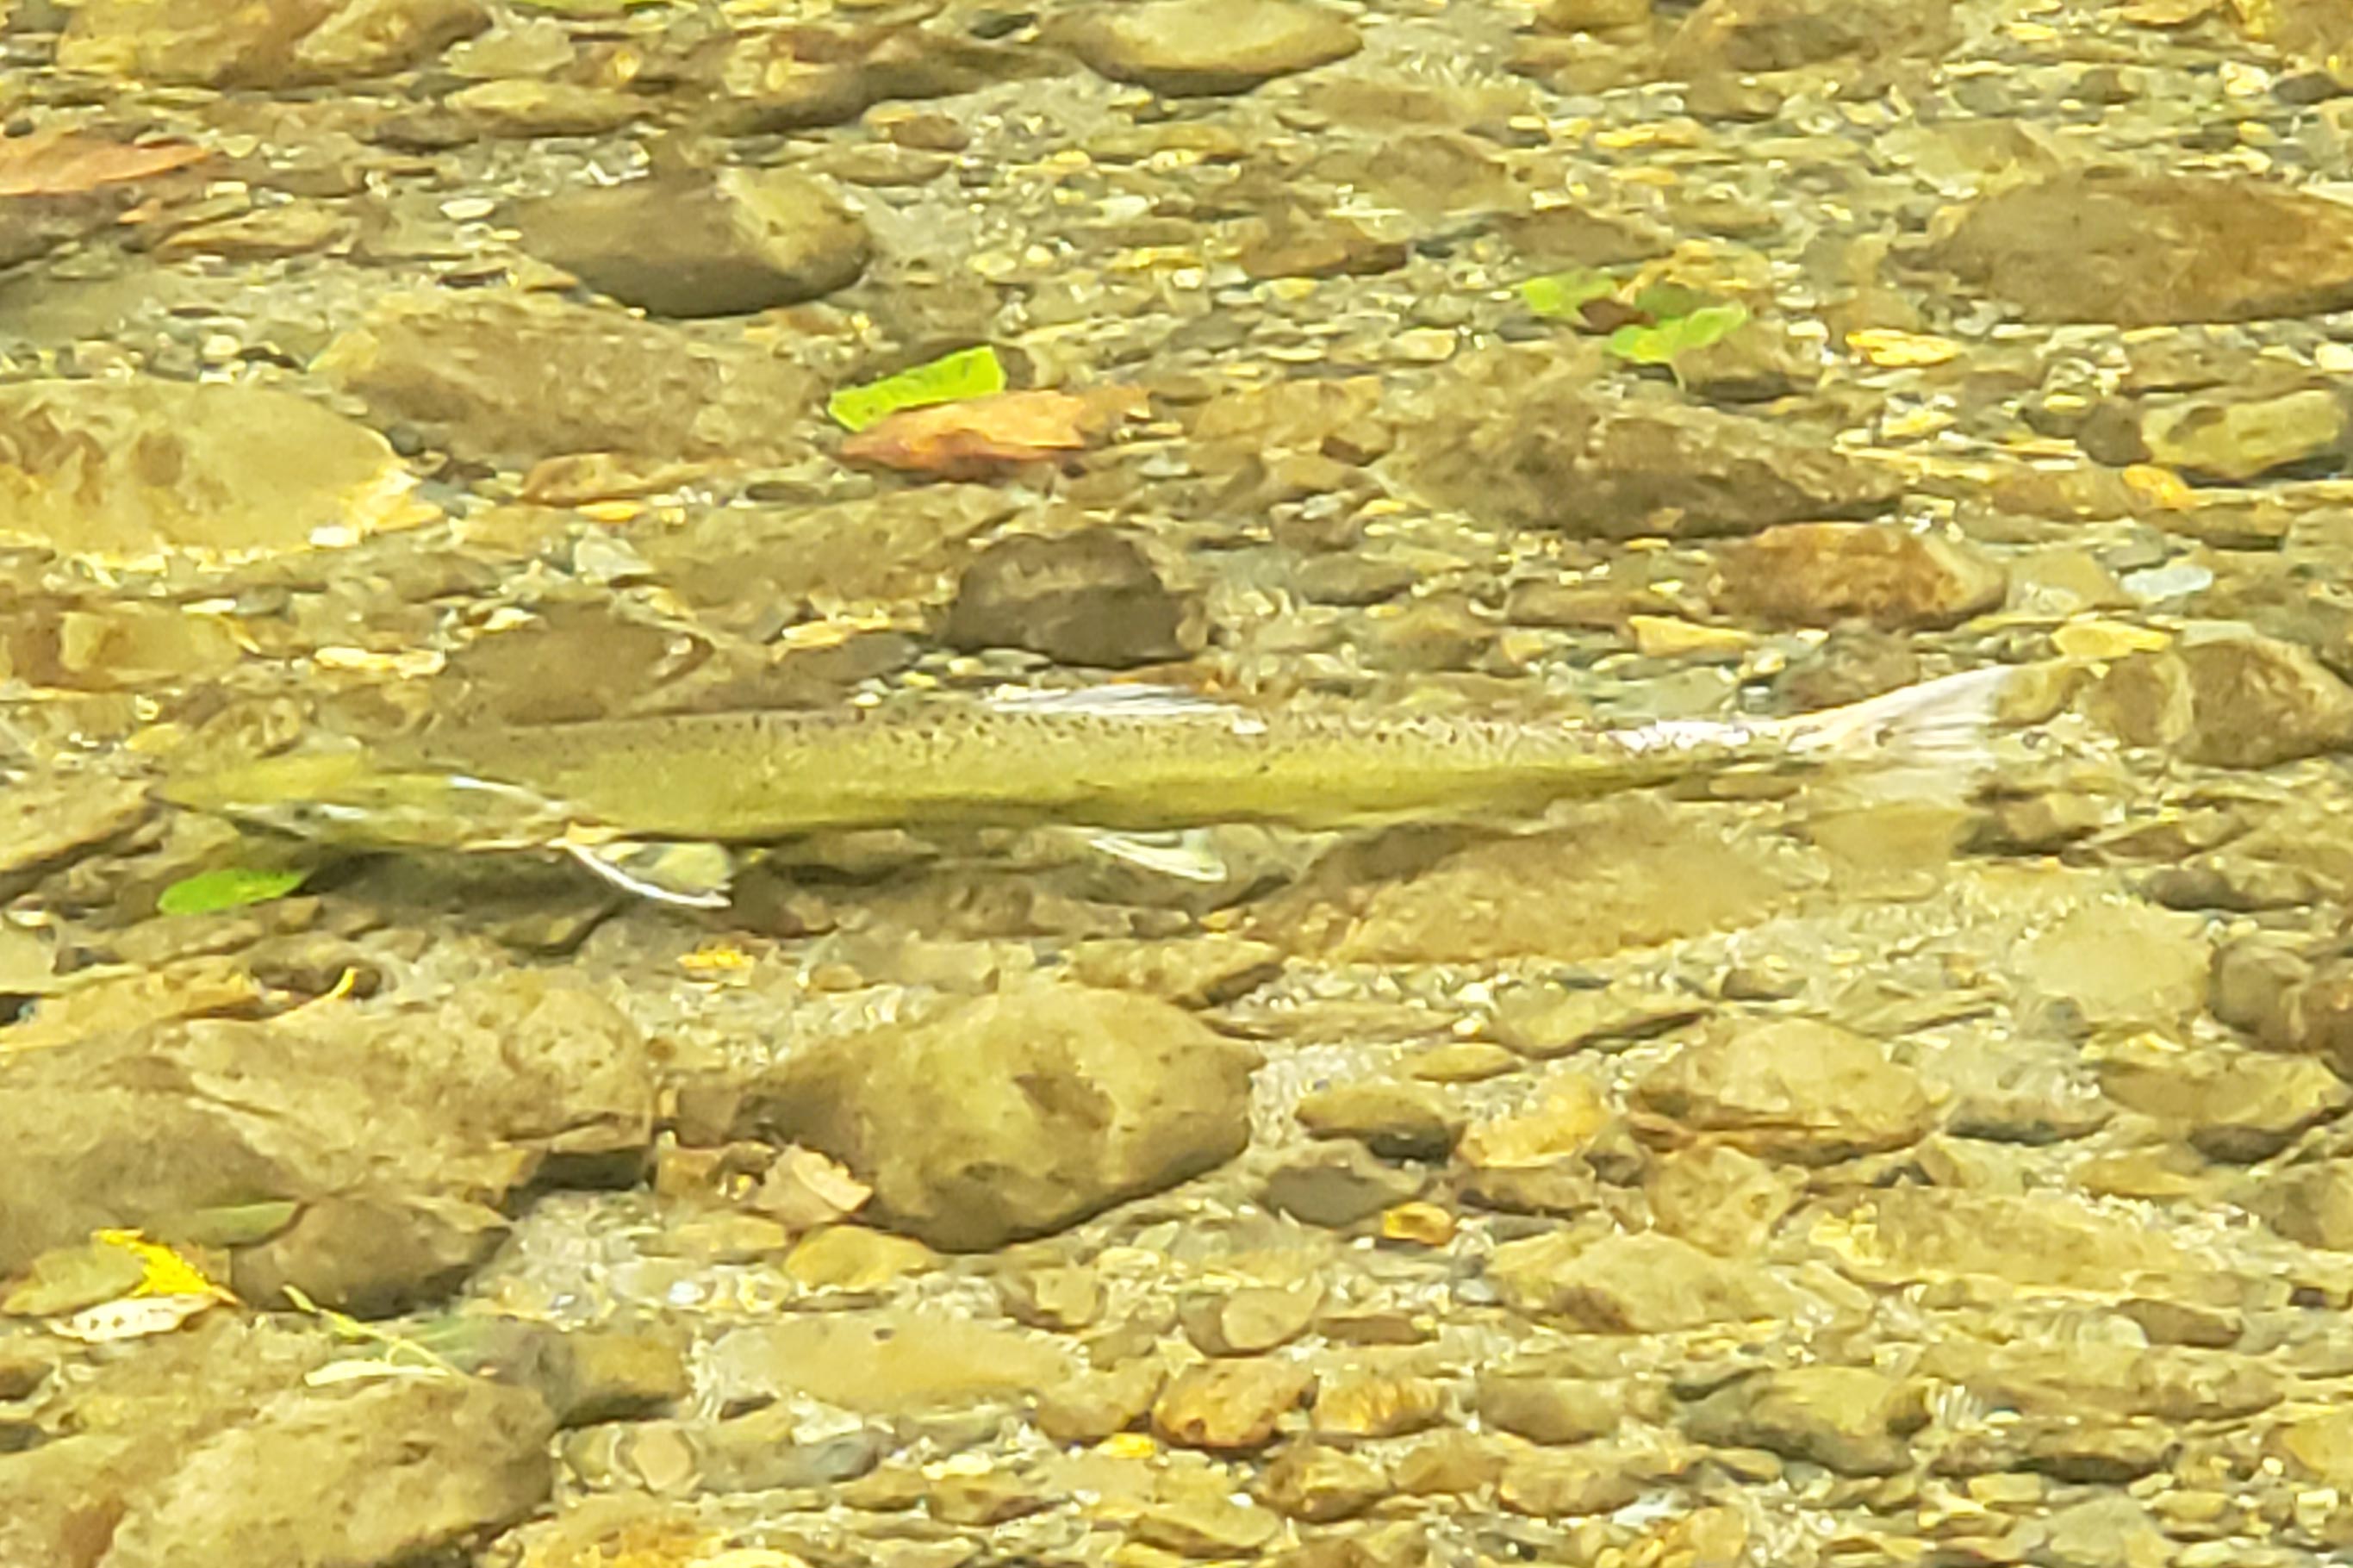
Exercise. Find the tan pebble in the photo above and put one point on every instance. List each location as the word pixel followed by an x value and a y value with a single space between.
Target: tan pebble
pixel 1376 1327
pixel 1252 1319
pixel 835 977
pixel 1424 1224
pixel 1554 1485
pixel 721 1238
pixel 1549 1409
pixel 1059 1297
pixel 1366 1405
pixel 1229 1405
pixel 1425 345
pixel 1447 1464
pixel 2007 1490
pixel 1571 1113
pixel 1672 636
pixel 662 1459
pixel 1096 1406
pixel 1206 1527
pixel 1396 1120
pixel 1466 1061
pixel 852 1258
pixel 981 1501
pixel 891 1490
pixel 1711 1537
pixel 1320 1484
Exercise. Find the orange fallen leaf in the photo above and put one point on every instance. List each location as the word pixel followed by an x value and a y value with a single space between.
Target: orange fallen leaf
pixel 63 163
pixel 979 436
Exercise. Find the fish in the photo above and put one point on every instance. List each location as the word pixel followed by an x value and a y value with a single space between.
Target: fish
pixel 1115 760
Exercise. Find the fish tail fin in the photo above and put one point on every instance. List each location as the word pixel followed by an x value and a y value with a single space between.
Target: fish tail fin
pixel 1938 734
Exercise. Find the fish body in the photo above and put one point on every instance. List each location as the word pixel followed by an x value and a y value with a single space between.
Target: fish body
pixel 1123 760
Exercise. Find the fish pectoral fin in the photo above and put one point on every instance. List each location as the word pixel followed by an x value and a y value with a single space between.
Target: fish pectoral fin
pixel 692 875
pixel 1191 855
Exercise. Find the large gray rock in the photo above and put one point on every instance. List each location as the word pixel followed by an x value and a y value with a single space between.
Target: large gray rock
pixel 1195 48
pixel 2231 702
pixel 1630 872
pixel 788 79
pixel 2143 249
pixel 1640 1284
pixel 1733 38
pixel 262 43
pixel 1536 451
pixel 519 376
pixel 1791 1089
pixel 373 1472
pixel 1820 574
pixel 1850 1419
pixel 397 1140
pixel 136 465
pixel 1016 1114
pixel 1087 598
pixel 207 1445
pixel 2239 437
pixel 689 243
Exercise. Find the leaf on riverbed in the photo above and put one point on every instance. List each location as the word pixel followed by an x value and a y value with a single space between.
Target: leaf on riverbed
pixel 970 372
pixel 1558 296
pixel 62 163
pixel 982 435
pixel 230 887
pixel 1662 341
pixel 118 1284
pixel 162 1271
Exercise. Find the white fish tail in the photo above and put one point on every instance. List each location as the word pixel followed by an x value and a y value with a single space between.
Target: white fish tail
pixel 1936 736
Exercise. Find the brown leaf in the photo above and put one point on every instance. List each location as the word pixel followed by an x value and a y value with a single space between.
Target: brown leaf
pixel 978 436
pixel 63 163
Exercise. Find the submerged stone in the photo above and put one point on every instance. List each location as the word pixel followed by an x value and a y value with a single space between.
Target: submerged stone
pixel 1820 574
pixel 1791 1089
pixel 2140 250
pixel 1088 598
pixel 1016 1114
pixel 1200 47
pixel 133 467
pixel 519 377
pixel 1537 450
pixel 695 243
pixel 262 43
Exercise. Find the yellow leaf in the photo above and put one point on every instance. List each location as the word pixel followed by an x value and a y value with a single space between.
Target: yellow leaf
pixel 1895 350
pixel 164 1271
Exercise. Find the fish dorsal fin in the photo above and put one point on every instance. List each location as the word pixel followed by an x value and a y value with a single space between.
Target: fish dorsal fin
pixel 1114 700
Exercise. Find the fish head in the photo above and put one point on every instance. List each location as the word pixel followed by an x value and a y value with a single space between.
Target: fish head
pixel 347 798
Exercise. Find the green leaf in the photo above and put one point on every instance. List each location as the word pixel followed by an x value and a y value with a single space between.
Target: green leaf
pixel 968 373
pixel 230 887
pixel 1660 343
pixel 1559 294
pixel 1661 300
